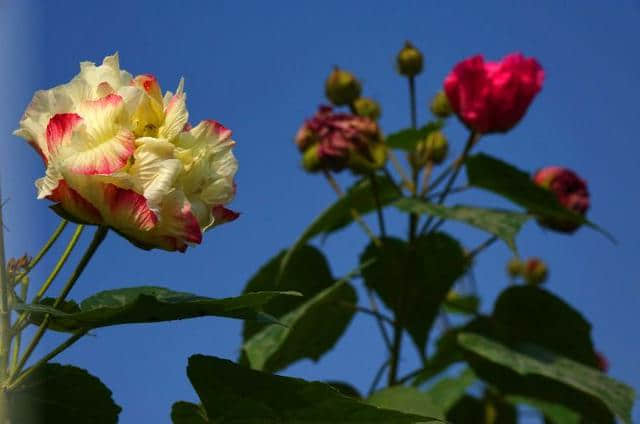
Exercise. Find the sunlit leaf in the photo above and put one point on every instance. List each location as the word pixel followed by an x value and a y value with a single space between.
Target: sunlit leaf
pixel 408 138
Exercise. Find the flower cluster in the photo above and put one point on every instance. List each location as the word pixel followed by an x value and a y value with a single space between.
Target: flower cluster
pixel 120 154
pixel 334 141
pixel 570 190
pixel 493 96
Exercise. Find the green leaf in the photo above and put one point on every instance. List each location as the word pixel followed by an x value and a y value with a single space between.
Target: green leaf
pixel 414 283
pixel 232 394
pixel 462 304
pixel 538 361
pixel 339 215
pixel 62 394
pixel 504 224
pixel 505 180
pixel 345 388
pixel 447 353
pixel 408 138
pixel 308 273
pixel 447 391
pixel 152 304
pixel 407 399
pixel 555 413
pixel 188 413
pixel 309 331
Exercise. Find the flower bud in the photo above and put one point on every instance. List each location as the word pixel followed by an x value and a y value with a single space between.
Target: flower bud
pixel 514 267
pixel 603 362
pixel 367 107
pixel 440 105
pixel 570 191
pixel 409 60
pixel 433 149
pixel 534 271
pixel 342 88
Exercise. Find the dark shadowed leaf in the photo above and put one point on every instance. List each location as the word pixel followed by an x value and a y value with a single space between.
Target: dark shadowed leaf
pixel 466 304
pixel 62 394
pixel 504 224
pixel 505 180
pixel 534 360
pixel 152 304
pixel 308 331
pixel 345 388
pixel 447 353
pixel 339 215
pixel 408 138
pixel 469 409
pixel 188 413
pixel 231 394
pixel 308 273
pixel 414 284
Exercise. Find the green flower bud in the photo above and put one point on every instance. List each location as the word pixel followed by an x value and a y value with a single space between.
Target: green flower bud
pixel 375 159
pixel 367 107
pixel 311 160
pixel 433 149
pixel 440 105
pixel 514 267
pixel 342 88
pixel 535 271
pixel 409 60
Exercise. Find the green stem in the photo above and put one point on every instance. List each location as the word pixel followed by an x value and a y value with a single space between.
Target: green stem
pixel 99 236
pixel 54 273
pixel 59 229
pixel 376 196
pixel 457 166
pixel 24 289
pixel 49 356
pixel 5 325
pixel 412 101
pixel 379 319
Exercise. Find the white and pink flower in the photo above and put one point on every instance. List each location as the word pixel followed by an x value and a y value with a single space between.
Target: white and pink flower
pixel 118 153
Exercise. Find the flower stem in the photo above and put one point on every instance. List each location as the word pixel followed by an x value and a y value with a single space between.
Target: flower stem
pixel 24 289
pixel 49 356
pixel 457 165
pixel 376 196
pixel 354 213
pixel 54 273
pixel 59 229
pixel 5 325
pixel 98 238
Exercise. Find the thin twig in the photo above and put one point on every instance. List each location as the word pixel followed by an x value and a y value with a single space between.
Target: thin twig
pixel 367 311
pixel 354 213
pixel 377 377
pixel 376 196
pixel 406 180
pixel 59 229
pixel 381 327
pixel 485 244
pixel 5 316
pixel 426 175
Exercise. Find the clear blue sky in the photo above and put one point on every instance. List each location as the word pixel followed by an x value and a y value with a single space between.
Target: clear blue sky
pixel 258 67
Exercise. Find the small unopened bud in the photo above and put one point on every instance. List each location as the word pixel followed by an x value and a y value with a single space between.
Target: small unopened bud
pixel 432 149
pixel 311 160
pixel 514 267
pixel 409 60
pixel 342 88
pixel 534 271
pixel 603 362
pixel 440 105
pixel 367 107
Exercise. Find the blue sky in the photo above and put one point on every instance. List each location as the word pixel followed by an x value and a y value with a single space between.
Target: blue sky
pixel 258 67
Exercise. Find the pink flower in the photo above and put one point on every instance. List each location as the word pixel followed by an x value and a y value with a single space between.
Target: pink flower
pixel 493 96
pixel 337 140
pixel 570 190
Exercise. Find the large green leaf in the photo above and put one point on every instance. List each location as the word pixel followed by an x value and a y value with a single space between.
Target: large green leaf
pixel 408 138
pixel 554 413
pixel 309 331
pixel 504 224
pixel 407 399
pixel 359 198
pixel 414 283
pixel 308 273
pixel 62 394
pixel 537 361
pixel 152 304
pixel 447 391
pixel 231 394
